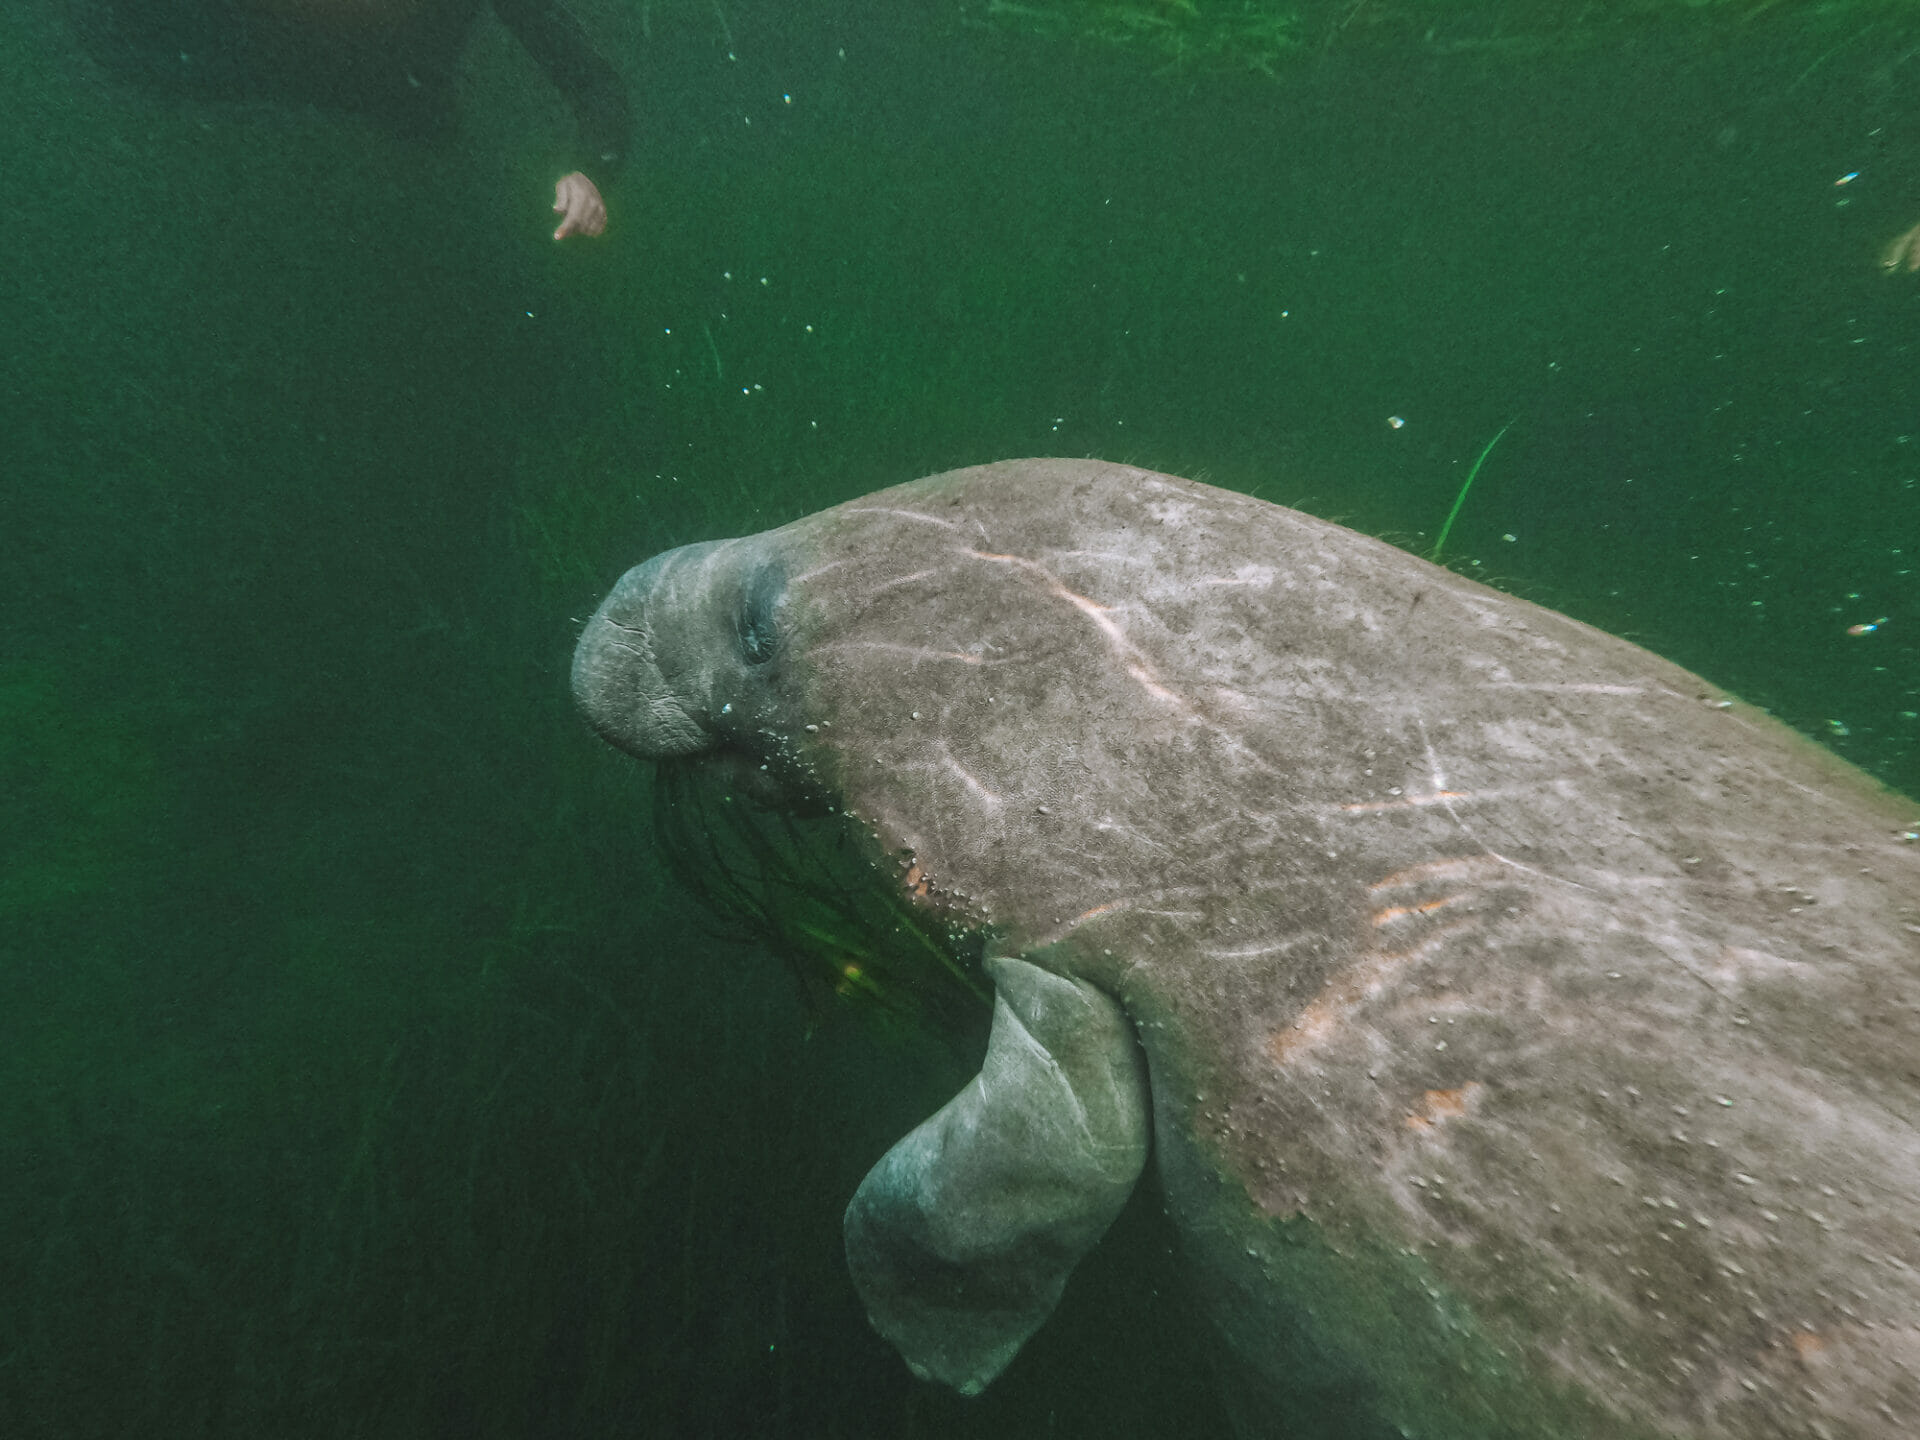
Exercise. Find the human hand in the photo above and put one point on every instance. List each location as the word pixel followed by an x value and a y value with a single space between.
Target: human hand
pixel 579 204
pixel 1903 253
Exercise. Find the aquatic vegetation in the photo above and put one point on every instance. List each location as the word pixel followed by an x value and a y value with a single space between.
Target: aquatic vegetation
pixel 1249 35
pixel 1440 541
pixel 1261 35
pixel 802 887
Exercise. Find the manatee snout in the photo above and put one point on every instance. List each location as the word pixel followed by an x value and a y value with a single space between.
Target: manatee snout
pixel 618 681
pixel 679 660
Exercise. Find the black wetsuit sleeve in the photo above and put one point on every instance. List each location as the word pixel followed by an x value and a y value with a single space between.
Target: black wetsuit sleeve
pixel 592 87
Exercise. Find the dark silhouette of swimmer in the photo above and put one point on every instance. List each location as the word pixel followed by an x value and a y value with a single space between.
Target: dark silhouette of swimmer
pixel 393 60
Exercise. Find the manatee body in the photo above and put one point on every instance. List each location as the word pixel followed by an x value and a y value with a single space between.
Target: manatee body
pixel 1525 1035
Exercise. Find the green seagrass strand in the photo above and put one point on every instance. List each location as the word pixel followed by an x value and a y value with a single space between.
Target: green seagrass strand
pixel 1461 499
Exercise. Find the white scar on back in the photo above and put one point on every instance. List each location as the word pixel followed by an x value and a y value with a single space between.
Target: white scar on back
pixel 1446 797
pixel 1061 929
pixel 1131 659
pixel 1567 689
pixel 1409 802
pixel 900 514
pixel 903 580
pixel 816 572
pixel 918 652
pixel 987 798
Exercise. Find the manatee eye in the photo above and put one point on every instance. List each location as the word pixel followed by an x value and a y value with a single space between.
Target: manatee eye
pixel 758 635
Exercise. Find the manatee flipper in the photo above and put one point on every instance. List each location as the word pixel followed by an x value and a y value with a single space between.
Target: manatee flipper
pixel 961 1238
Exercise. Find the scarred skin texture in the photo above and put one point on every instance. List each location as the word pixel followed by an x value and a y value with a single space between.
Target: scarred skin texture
pixel 1533 1032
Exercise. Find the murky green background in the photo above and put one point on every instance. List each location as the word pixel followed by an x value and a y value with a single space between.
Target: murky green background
pixel 360 1073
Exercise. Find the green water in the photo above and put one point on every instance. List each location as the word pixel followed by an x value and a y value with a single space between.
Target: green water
pixel 360 1072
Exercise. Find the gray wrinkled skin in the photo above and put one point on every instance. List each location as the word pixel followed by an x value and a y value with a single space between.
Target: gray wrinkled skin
pixel 1532 1034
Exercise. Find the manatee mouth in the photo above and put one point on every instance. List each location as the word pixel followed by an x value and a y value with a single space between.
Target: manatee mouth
pixel 806 887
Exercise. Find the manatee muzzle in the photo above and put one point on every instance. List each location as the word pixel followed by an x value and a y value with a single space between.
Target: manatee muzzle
pixel 631 680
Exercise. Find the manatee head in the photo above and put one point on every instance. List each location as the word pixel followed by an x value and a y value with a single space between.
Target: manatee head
pixel 700 660
pixel 686 658
pixel 1030 685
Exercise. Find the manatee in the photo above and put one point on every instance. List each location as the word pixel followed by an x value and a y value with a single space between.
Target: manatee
pixel 1525 1035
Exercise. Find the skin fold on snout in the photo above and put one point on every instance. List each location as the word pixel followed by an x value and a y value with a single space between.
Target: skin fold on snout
pixel 646 688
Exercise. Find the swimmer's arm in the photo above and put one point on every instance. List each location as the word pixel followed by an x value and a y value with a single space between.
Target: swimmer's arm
pixel 594 91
